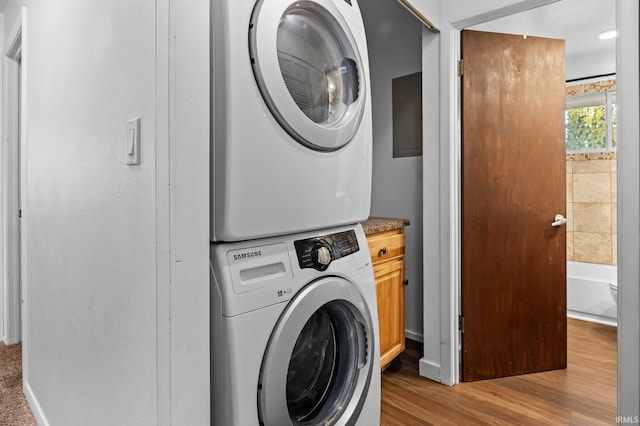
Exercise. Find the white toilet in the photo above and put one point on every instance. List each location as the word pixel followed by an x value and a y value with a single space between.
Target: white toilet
pixel 613 289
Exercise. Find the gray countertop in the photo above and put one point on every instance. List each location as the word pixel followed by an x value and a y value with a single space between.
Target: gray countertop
pixel 381 224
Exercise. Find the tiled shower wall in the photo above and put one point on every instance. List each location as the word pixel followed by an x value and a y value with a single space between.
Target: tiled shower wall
pixel 592 199
pixel 591 208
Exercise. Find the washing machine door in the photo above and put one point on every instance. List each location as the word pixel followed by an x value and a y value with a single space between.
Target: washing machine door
pixel 318 367
pixel 309 70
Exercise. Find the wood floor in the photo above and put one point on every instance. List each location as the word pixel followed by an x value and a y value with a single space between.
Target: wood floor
pixel 583 394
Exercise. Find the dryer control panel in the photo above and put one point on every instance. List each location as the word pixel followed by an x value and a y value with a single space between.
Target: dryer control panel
pixel 319 252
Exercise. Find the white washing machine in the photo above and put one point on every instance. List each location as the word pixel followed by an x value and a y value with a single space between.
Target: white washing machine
pixel 291 117
pixel 294 328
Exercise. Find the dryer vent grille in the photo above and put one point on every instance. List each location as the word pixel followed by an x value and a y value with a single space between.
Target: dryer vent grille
pixel 307 86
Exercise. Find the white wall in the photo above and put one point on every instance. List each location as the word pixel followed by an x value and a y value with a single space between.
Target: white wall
pixel 590 65
pixel 628 97
pixel 394 38
pixel 116 289
pixel 90 302
pixel 2 204
pixel 187 173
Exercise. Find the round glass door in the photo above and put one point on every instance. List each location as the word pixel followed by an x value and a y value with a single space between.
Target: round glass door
pixel 316 369
pixel 308 70
pixel 323 365
pixel 319 74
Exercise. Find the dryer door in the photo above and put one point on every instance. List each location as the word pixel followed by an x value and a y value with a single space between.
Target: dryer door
pixel 309 70
pixel 318 365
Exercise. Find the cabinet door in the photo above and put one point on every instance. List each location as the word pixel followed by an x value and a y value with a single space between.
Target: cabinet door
pixel 390 292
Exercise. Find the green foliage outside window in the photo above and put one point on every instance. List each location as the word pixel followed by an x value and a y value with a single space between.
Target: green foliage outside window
pixel 587 128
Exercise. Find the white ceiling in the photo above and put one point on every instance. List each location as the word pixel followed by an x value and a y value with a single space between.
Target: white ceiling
pixel 576 21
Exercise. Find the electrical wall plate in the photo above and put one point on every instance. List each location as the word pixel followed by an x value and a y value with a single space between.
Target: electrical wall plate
pixel 133 142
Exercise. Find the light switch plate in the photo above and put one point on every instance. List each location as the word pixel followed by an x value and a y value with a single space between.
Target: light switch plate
pixel 133 142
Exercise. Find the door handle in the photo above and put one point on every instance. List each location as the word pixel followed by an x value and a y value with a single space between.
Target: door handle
pixel 559 220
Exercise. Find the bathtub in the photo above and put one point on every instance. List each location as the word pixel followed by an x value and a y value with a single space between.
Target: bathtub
pixel 588 295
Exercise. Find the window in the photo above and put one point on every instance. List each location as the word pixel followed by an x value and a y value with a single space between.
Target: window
pixel 591 122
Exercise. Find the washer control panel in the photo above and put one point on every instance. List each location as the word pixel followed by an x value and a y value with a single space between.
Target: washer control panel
pixel 319 252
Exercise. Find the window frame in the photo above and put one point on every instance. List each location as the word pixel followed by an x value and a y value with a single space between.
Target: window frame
pixel 578 101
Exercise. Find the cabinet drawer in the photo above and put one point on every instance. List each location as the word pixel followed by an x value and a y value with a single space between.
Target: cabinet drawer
pixel 386 245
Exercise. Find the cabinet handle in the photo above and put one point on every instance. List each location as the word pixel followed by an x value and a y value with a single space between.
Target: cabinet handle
pixel 383 250
pixel 405 282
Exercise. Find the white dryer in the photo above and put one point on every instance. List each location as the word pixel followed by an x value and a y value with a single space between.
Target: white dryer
pixel 292 128
pixel 295 331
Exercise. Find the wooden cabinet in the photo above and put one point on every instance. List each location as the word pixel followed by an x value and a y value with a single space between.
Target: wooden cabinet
pixel 387 255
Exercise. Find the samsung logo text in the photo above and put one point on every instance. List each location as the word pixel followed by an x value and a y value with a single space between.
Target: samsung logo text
pixel 247 255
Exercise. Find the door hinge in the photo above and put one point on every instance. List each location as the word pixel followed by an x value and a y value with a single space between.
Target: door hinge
pixel 460 67
pixel 461 323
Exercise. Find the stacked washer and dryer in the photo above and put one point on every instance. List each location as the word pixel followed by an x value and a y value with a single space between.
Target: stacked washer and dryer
pixel 294 324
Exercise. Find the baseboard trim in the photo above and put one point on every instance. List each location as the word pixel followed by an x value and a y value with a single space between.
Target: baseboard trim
pixel 431 371
pixel 412 335
pixel 34 406
pixel 582 316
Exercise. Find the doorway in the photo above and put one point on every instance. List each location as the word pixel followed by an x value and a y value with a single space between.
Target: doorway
pixel 586 56
pixel 441 283
pixel 13 175
pixel 628 338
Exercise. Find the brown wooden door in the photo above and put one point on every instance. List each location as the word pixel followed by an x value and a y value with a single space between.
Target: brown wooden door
pixel 513 185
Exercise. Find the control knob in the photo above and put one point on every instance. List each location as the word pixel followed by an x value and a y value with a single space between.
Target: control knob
pixel 321 256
